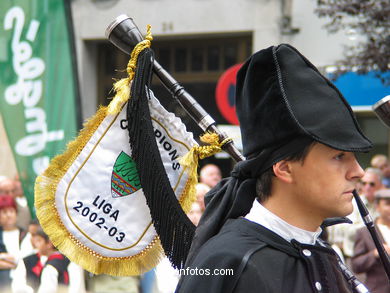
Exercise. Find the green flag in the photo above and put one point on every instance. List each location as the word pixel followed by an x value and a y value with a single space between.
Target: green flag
pixel 38 83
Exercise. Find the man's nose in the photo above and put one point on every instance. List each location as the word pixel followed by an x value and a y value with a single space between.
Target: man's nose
pixel 356 171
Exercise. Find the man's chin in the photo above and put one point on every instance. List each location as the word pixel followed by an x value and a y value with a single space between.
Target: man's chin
pixel 342 213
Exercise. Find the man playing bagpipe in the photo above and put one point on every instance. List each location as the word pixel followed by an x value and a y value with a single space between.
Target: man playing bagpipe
pixel 299 137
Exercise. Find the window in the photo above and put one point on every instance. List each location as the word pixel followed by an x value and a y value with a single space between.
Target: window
pixel 201 59
pixel 180 58
pixel 196 62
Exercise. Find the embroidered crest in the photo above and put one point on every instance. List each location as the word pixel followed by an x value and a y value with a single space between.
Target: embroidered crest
pixel 124 178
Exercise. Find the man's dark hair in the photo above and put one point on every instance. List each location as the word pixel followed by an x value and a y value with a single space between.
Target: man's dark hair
pixel 264 181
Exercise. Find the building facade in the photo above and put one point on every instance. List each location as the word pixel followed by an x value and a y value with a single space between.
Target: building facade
pixel 197 40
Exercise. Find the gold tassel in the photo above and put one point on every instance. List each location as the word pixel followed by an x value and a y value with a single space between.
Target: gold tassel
pixel 122 87
pixel 190 160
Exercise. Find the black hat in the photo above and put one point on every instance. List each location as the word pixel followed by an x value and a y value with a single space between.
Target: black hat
pixel 281 95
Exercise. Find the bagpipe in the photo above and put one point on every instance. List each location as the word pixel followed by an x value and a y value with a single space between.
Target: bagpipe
pixel 115 201
pixel 125 35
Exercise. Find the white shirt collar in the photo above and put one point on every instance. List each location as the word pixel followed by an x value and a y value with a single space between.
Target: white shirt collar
pixel 266 218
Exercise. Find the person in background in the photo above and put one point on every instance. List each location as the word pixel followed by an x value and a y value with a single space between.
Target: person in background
pixel 201 190
pixel 382 163
pixel 366 258
pixel 27 246
pixel 210 174
pixel 13 188
pixel 10 239
pixel 370 183
pixel 195 213
pixel 46 270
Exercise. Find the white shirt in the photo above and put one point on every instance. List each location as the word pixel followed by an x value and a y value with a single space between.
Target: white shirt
pixel 49 279
pixel 260 215
pixel 166 277
pixel 11 242
pixel 385 231
pixel 19 282
pixel 21 201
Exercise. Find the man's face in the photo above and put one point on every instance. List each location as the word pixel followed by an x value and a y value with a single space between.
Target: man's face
pixel 385 168
pixel 43 246
pixel 7 186
pixel 8 218
pixel 382 163
pixel 195 213
pixel 323 183
pixel 383 208
pixel 210 175
pixel 370 183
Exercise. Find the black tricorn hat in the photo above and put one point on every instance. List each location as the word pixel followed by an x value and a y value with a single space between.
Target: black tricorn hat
pixel 280 95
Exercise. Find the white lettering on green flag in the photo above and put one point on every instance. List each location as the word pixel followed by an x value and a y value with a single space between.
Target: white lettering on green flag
pixel 37 84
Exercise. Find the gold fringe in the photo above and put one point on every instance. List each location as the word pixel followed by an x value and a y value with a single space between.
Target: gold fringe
pixel 122 87
pixel 191 159
pixel 46 186
pixel 188 196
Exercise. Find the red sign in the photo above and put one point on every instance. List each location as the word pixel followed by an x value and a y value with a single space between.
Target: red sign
pixel 225 94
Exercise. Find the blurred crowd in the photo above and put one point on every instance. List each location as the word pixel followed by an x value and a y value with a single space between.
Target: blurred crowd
pixel 353 241
pixel 30 263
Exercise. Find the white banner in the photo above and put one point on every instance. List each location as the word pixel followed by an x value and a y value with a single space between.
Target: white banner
pixel 99 201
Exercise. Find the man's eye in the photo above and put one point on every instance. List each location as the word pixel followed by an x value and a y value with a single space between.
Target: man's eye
pixel 339 156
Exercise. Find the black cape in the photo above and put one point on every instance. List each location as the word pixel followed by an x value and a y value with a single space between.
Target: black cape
pixel 255 259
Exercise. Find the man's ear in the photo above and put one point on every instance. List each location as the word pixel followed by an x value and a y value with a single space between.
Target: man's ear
pixel 282 171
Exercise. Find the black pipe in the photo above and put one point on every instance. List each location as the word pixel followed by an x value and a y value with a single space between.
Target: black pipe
pixel 124 34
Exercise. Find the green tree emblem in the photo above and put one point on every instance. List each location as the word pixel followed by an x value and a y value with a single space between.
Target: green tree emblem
pixel 124 178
